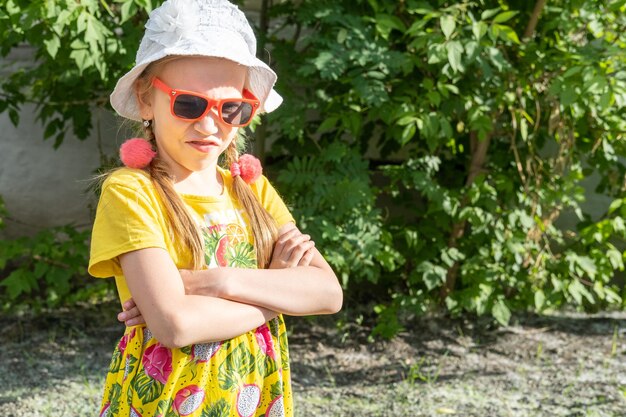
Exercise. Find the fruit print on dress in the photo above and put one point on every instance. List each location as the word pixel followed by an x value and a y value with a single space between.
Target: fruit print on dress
pixel 130 364
pixel 227 245
pixel 188 399
pixel 105 410
pixel 134 412
pixel 219 409
pixel 276 408
pixel 248 399
pixel 157 367
pixel 238 365
pixel 157 362
pixel 202 352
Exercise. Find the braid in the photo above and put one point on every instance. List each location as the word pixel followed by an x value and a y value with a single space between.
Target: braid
pixel 181 224
pixel 264 228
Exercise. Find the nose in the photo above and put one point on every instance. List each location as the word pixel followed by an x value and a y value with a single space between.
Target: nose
pixel 208 124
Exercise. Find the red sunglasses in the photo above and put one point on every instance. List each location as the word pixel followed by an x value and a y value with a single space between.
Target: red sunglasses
pixel 190 106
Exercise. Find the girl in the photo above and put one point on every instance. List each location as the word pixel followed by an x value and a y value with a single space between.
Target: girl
pixel 210 256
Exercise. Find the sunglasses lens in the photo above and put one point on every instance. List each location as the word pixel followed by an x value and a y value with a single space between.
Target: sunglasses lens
pixel 237 112
pixel 187 106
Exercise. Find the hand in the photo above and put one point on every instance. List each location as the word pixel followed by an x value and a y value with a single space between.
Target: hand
pixel 292 248
pixel 131 316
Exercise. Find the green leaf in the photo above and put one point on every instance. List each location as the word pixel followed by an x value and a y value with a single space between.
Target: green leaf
pixel 507 33
pixel 501 312
pixel 448 24
pixel 578 291
pixel 408 133
pixel 14 116
pixel 524 129
pixel 615 204
pixel 455 49
pixel 129 9
pixel 587 265
pixel 503 17
pixel 386 23
pixel 19 282
pixel 328 124
pixel 342 35
pixel 479 29
pixel 489 13
pixel 540 299
pixel 82 58
pixel 616 258
pixel 81 22
pixel 52 46
pixel 41 268
pixel 432 275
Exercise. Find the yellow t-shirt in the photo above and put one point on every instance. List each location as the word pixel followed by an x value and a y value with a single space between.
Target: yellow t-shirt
pixel 246 375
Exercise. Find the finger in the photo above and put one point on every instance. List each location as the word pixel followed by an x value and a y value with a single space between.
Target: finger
pixel 299 251
pixel 279 246
pixel 135 321
pixel 290 234
pixel 129 314
pixel 293 243
pixel 130 303
pixel 307 257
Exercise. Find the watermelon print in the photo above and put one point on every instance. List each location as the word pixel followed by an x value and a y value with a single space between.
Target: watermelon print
pixel 243 376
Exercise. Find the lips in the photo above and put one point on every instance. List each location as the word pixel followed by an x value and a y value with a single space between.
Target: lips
pixel 203 146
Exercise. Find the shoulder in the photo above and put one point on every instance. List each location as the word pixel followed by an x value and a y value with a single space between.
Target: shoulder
pixel 134 179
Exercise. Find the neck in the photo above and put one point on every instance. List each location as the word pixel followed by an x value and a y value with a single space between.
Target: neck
pixel 205 182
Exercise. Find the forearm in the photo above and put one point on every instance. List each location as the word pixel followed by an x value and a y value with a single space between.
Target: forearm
pixel 302 290
pixel 201 319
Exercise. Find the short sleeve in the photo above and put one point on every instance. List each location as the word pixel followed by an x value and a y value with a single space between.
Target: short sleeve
pixel 272 202
pixel 127 219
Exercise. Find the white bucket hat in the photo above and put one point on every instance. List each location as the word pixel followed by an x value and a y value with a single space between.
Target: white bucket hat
pixel 211 28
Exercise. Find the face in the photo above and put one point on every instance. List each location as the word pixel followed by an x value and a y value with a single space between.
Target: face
pixel 192 146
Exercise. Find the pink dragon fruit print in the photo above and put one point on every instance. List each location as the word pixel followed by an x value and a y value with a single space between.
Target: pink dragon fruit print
pixel 157 362
pixel 188 400
pixel 264 339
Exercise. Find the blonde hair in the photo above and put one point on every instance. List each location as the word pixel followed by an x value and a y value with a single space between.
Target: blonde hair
pixel 182 225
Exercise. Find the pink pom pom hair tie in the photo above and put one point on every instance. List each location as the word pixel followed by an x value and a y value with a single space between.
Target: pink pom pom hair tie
pixel 248 167
pixel 136 153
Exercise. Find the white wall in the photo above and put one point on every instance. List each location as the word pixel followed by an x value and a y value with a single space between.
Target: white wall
pixel 43 187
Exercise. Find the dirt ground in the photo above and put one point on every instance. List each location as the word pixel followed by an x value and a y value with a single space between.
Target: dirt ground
pixel 557 365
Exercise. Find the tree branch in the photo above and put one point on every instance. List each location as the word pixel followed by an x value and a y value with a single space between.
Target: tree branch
pixel 534 18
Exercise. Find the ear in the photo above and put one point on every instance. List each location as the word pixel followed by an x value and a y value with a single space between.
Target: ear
pixel 144 101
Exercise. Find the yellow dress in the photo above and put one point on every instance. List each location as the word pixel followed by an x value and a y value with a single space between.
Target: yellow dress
pixel 247 375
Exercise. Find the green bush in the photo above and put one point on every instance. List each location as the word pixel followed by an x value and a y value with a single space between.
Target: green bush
pixel 437 151
pixel 480 128
pixel 46 270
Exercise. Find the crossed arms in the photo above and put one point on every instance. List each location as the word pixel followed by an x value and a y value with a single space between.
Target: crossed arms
pixel 221 303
